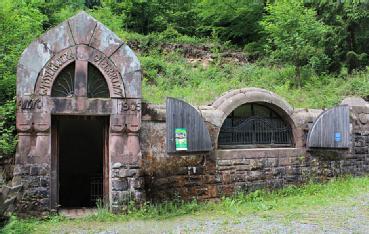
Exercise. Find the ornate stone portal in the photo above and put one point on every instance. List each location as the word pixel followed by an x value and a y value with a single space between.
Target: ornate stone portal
pixel 76 47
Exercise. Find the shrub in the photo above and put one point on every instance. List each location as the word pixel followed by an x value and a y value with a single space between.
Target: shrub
pixel 8 139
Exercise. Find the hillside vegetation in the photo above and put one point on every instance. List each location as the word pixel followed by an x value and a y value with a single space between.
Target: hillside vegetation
pixel 313 54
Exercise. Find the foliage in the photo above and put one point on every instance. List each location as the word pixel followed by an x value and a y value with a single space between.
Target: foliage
pixel 16 226
pixel 171 75
pixel 154 16
pixel 321 43
pixel 260 202
pixel 295 36
pixel 7 129
pixel 20 23
pixel 237 21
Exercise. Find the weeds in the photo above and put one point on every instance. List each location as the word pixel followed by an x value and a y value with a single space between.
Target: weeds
pixel 290 200
pixel 171 75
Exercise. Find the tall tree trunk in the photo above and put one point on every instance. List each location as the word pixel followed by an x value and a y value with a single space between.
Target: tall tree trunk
pixel 351 38
pixel 298 76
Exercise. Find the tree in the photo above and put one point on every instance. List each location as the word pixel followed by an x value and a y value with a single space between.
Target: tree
pixel 20 23
pixel 233 20
pixel 346 44
pixel 295 36
pixel 147 16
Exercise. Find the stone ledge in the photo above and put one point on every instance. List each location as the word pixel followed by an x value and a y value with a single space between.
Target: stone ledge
pixel 231 154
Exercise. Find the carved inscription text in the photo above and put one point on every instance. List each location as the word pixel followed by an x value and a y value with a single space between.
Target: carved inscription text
pixel 59 61
pixel 130 105
pixel 112 74
pixel 52 68
pixel 29 103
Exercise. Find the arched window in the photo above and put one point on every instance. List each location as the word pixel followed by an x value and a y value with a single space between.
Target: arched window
pixel 96 83
pixel 64 84
pixel 254 125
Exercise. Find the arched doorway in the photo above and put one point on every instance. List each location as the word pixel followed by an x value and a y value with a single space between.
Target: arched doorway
pixel 81 153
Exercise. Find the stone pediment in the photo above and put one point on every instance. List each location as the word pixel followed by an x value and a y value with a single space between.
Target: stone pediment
pixel 80 37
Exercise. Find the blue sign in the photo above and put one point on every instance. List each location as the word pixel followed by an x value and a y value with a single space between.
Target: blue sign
pixel 338 136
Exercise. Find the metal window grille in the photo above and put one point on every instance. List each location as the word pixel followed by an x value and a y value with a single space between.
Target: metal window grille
pixel 254 124
pixel 96 84
pixel 96 189
pixel 64 84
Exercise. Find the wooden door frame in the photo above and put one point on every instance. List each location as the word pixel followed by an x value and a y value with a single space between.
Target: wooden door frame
pixel 106 162
pixel 54 175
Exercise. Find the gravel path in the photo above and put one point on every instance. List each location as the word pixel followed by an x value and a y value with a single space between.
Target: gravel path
pixel 351 216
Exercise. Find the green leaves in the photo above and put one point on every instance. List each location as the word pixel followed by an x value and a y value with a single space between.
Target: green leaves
pixel 295 36
pixel 233 20
pixel 8 139
pixel 20 23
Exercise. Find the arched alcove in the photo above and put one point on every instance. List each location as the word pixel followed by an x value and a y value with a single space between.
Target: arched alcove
pixel 254 125
pixel 284 125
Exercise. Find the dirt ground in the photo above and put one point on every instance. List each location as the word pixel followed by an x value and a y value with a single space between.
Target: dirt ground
pixel 350 215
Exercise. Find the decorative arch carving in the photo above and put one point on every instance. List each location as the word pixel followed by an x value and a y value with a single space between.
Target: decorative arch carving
pixel 79 38
pixel 58 62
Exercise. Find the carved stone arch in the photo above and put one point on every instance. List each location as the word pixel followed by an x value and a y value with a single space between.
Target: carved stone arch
pixel 87 37
pixel 228 102
pixel 65 57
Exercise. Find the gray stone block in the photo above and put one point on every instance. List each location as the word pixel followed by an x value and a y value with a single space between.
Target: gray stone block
pixel 119 184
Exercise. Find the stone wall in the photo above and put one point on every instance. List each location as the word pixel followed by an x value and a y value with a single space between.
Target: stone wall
pixel 8 193
pixel 172 176
pixel 6 169
pixel 220 172
pixel 223 172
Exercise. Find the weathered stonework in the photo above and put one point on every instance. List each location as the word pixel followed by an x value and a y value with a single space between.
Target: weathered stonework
pixel 81 40
pixel 225 171
pixel 137 166
pixel 81 52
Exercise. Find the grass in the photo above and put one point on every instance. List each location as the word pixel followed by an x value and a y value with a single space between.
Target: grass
pixel 172 75
pixel 291 201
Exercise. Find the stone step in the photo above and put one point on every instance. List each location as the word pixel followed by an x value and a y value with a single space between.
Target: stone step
pixel 77 212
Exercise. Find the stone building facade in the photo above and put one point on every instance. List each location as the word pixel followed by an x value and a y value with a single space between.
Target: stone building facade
pixel 85 136
pixel 78 75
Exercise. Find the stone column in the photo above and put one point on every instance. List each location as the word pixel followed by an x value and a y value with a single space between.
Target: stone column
pixel 32 170
pixel 127 183
pixel 24 128
pixel 118 185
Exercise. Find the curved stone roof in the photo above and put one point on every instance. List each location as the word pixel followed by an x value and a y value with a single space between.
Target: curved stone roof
pixel 235 98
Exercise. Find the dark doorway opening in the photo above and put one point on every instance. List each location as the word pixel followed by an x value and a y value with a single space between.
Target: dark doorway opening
pixel 81 159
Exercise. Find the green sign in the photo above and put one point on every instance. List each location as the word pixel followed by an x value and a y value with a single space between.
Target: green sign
pixel 181 139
